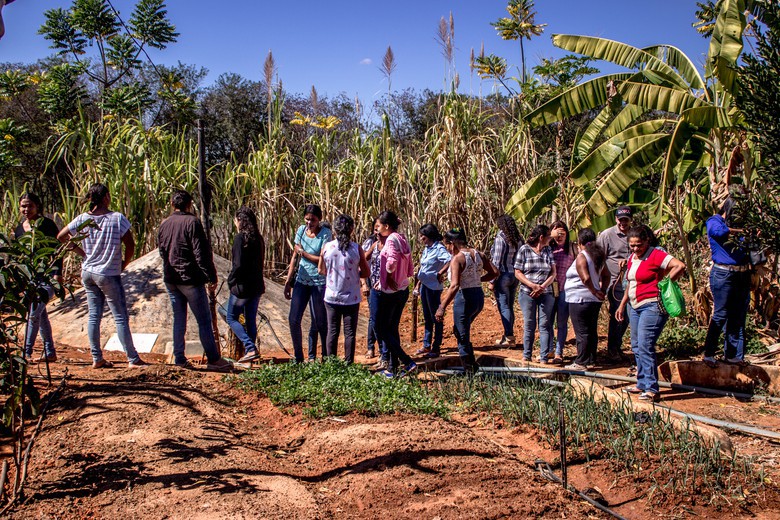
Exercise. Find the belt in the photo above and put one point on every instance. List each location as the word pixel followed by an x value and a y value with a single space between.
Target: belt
pixel 733 268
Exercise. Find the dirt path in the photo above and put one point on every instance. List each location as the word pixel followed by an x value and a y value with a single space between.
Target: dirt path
pixel 164 443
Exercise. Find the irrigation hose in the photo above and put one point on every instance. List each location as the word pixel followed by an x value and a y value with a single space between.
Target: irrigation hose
pixel 547 472
pixel 739 427
pixel 626 379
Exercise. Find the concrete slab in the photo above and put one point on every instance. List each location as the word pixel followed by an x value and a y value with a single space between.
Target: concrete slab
pixel 143 342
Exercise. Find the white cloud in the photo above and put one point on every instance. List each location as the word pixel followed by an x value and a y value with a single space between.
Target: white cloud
pixel 366 61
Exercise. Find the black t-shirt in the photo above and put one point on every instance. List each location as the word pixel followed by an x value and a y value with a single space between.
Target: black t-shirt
pixel 49 229
pixel 246 277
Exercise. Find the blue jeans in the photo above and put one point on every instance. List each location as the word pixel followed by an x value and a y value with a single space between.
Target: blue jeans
pixel 373 305
pixel 101 290
pixel 540 308
pixel 647 323
pixel 505 289
pixel 467 305
pixel 560 317
pixel 731 296
pixel 196 297
pixel 314 297
pixel 246 307
pixel 431 299
pixel 388 318
pixel 38 320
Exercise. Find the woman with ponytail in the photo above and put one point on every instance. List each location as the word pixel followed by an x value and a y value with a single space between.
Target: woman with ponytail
pixel 101 268
pixel 343 265
pixel 465 290
pixel 505 246
pixel 246 281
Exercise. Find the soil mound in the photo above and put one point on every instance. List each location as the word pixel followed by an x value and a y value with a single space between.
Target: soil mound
pixel 150 308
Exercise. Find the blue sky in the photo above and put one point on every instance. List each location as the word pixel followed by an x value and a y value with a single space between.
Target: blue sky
pixel 338 46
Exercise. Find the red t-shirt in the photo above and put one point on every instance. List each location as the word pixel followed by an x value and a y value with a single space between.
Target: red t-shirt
pixel 643 275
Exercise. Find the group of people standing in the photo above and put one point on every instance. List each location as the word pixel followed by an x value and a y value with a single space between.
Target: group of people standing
pixel 330 273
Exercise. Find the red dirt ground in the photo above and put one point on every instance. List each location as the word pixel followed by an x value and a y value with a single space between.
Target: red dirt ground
pixel 164 443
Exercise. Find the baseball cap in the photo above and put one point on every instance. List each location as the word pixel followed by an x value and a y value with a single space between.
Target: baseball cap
pixel 623 212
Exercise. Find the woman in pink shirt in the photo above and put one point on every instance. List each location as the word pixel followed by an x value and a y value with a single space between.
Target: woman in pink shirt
pixel 646 267
pixel 395 269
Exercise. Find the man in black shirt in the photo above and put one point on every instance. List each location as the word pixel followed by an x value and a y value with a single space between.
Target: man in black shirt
pixel 187 266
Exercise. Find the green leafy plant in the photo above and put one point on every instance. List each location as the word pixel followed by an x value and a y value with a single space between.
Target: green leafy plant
pixel 335 388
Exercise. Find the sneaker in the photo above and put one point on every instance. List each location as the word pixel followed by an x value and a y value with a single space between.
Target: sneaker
pixel 432 355
pixel 408 369
pixel 250 356
pixel 576 366
pixel 633 390
pixel 138 363
pixel 386 374
pixel 220 365
pixel 103 363
pixel 187 365
pixel 423 350
pixel 649 396
pixel 380 365
pixel 736 361
pixel 710 361
pixel 506 341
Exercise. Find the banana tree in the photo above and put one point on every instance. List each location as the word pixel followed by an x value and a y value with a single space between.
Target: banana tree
pixel 688 143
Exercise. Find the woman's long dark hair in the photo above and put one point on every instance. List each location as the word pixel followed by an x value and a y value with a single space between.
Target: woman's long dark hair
pixel 342 229
pixel 313 209
pixel 247 224
pixel 431 232
pixel 507 224
pixel 456 236
pixel 389 218
pixel 536 234
pixel 95 195
pixel 560 224
pixel 587 239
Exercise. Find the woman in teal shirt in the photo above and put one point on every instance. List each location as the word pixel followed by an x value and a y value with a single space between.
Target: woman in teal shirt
pixel 306 286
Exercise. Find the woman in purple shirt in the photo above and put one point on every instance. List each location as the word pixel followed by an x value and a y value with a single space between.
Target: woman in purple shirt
pixel 561 251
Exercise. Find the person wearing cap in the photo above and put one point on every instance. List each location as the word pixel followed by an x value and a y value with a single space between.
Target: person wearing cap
pixel 614 241
pixel 730 287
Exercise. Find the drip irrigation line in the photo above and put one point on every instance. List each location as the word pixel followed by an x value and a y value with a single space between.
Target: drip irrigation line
pixel 547 472
pixel 626 379
pixel 739 427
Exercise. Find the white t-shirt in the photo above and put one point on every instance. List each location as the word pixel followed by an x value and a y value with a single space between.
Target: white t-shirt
pixel 342 283
pixel 103 244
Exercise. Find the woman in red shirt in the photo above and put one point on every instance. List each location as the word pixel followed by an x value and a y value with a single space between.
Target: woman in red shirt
pixel 646 267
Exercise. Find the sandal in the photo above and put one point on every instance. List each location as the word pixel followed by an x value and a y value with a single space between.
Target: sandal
pixel 557 360
pixel 633 390
pixel 103 363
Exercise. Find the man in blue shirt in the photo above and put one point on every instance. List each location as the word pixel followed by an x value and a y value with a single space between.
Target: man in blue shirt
pixel 730 287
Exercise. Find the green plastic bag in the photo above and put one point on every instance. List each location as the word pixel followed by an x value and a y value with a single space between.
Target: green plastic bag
pixel 672 297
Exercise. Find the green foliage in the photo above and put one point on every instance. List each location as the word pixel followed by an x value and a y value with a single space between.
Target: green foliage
pixel 336 388
pixel 61 93
pixel 683 342
pixel 679 461
pixel 759 101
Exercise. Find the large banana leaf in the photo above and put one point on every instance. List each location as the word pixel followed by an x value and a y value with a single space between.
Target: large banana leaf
pixel 691 159
pixel 520 202
pixel 617 148
pixel 638 197
pixel 585 96
pixel 609 153
pixel 587 138
pixel 680 61
pixel 626 116
pixel 532 207
pixel 708 117
pixel 726 43
pixel 613 185
pixel 680 137
pixel 616 52
pixel 654 97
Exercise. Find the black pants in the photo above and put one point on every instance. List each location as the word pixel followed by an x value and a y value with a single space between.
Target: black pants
pixel 350 315
pixel 616 328
pixel 585 320
pixel 388 318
